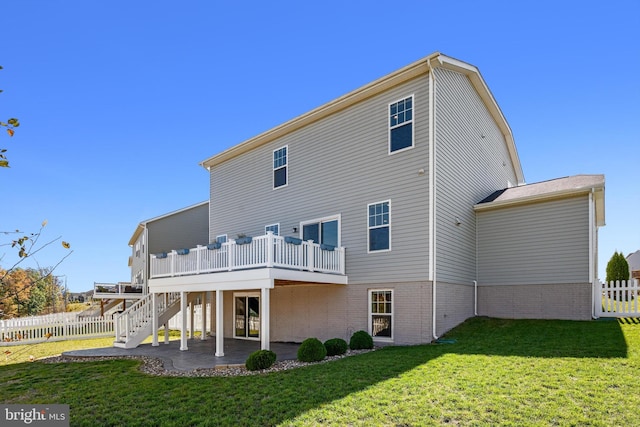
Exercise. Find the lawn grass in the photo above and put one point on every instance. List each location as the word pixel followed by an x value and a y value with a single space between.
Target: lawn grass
pixel 498 372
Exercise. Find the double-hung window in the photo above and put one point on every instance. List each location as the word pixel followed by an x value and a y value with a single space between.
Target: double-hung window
pixel 379 217
pixel 280 166
pixel 381 314
pixel 401 124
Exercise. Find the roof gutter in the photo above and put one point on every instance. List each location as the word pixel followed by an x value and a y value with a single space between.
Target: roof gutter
pixel 396 78
pixel 535 198
pixel 409 72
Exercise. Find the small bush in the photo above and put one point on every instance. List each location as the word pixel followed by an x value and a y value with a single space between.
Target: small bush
pixel 311 350
pixel 335 346
pixel 261 359
pixel 360 340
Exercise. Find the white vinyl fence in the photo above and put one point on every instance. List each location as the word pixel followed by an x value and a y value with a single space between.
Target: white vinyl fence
pixel 620 299
pixel 55 327
pixel 176 321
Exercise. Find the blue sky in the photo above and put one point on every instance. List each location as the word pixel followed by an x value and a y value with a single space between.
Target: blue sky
pixel 119 101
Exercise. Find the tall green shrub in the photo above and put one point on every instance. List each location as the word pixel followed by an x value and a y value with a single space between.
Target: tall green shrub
pixel 617 268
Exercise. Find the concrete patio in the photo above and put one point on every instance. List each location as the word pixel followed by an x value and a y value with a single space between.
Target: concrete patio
pixel 200 354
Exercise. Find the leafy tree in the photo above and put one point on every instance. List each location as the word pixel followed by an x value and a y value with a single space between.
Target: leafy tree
pixel 30 292
pixel 617 268
pixel 18 288
pixel 26 295
pixel 10 124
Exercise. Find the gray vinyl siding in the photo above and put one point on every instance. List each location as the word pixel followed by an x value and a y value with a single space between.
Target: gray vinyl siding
pixel 138 262
pixel 472 161
pixel 337 166
pixel 541 243
pixel 185 229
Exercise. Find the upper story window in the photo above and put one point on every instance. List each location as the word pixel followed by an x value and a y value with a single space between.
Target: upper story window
pixel 274 228
pixel 379 238
pixel 280 167
pixel 401 125
pixel 137 249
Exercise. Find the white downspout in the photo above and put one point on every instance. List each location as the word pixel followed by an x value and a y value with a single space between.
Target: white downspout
pixel 591 260
pixel 475 297
pixel 432 199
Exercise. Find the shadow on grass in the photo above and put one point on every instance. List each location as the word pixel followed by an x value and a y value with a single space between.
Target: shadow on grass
pixel 101 393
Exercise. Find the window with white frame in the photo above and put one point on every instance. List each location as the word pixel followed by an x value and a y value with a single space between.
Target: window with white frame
pixel 325 231
pixel 401 124
pixel 222 238
pixel 381 314
pixel 280 163
pixel 138 249
pixel 379 225
pixel 274 228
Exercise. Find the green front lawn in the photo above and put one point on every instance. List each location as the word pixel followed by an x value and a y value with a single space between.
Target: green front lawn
pixel 498 372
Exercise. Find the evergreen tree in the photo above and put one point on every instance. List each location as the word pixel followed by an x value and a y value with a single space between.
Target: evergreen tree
pixel 617 268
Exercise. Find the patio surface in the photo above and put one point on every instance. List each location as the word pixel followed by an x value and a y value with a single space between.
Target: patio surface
pixel 200 355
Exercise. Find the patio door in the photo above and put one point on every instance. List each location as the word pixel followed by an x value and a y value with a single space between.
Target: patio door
pixel 246 315
pixel 326 231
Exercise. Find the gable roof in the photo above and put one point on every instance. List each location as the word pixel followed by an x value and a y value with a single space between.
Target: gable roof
pixel 141 226
pixel 411 71
pixel 547 190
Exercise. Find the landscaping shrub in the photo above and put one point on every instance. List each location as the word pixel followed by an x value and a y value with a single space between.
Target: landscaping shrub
pixel 311 350
pixel 335 346
pixel 261 359
pixel 360 340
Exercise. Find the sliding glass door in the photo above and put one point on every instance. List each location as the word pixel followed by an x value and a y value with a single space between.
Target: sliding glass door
pixel 325 231
pixel 246 314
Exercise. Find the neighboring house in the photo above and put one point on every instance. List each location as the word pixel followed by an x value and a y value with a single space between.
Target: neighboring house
pixel 399 208
pixel 184 228
pixel 80 296
pixel 634 265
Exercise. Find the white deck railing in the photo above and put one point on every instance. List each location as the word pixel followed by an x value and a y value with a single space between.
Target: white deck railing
pixel 262 251
pixel 139 315
pixel 115 290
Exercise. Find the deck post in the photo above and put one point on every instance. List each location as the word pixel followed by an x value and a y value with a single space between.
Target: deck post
pixel 219 324
pixel 183 329
pixel 270 243
pixel 310 256
pixel 192 327
pixel 166 324
pixel 154 320
pixel 203 298
pixel 264 317
pixel 212 313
